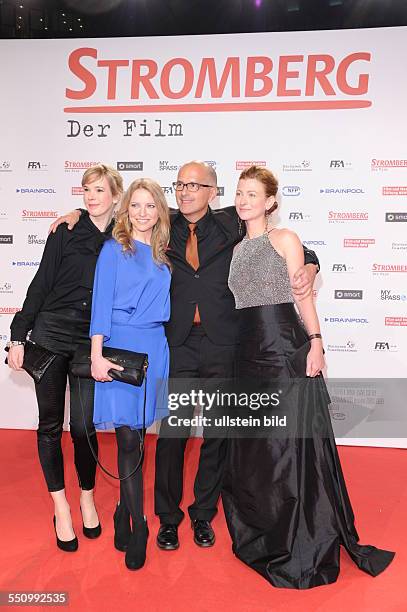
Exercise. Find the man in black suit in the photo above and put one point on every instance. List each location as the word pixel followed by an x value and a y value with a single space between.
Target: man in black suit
pixel 202 334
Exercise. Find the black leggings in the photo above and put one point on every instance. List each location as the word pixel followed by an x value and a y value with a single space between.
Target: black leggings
pixel 51 404
pixel 131 489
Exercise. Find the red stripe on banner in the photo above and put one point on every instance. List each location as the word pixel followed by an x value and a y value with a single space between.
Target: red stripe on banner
pixel 224 107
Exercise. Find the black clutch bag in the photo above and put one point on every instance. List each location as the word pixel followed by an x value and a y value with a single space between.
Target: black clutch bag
pixel 37 360
pixel 135 364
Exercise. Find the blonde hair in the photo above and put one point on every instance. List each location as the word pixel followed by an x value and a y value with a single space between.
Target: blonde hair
pixel 122 231
pixel 99 171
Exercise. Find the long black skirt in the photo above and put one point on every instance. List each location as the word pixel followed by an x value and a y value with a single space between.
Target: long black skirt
pixel 284 495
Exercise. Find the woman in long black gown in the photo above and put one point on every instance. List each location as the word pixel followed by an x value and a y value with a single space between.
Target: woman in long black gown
pixel 284 495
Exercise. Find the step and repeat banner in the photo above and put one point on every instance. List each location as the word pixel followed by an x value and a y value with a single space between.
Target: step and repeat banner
pixel 324 110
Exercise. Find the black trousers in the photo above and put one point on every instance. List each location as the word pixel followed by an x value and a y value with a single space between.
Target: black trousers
pixel 61 333
pixel 197 358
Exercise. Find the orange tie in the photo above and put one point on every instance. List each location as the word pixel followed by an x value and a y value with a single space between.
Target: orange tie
pixel 192 257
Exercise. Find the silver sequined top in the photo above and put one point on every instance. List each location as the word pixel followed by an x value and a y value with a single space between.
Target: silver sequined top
pixel 258 275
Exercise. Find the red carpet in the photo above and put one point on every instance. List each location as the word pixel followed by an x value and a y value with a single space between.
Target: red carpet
pixel 190 578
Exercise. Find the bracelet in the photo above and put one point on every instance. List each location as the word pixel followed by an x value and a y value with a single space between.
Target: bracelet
pixel 312 336
pixel 11 343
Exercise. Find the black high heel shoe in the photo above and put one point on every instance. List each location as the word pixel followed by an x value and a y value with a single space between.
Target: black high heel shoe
pixel 136 548
pixel 91 532
pixel 122 530
pixel 65 545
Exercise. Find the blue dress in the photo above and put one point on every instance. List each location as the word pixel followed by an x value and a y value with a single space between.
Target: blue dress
pixel 129 307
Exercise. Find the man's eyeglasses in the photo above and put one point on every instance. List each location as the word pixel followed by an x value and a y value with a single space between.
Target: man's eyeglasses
pixel 179 186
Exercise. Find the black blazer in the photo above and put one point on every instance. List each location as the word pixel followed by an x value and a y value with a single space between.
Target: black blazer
pixel 208 285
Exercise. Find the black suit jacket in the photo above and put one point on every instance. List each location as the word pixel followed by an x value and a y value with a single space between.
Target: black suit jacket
pixel 208 285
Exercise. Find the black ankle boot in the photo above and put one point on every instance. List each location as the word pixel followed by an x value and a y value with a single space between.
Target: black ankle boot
pixel 122 531
pixel 136 549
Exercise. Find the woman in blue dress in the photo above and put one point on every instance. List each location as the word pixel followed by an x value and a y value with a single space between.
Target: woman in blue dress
pixel 130 306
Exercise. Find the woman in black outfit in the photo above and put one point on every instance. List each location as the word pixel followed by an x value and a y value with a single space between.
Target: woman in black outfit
pixel 57 309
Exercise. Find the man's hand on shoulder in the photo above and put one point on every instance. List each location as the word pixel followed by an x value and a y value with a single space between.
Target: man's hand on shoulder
pixel 70 218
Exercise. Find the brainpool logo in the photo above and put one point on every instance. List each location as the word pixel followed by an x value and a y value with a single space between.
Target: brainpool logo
pixel 291 190
pixel 35 190
pixel 346 320
pixel 394 217
pixel 389 295
pixel 341 190
pixel 348 294
pixel 304 166
pixel 348 347
pixel 384 346
pixel 25 264
pixel 314 243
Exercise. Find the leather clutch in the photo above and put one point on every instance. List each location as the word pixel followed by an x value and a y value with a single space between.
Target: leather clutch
pixel 37 360
pixel 135 364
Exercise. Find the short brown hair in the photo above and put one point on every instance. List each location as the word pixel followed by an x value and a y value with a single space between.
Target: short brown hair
pixel 266 177
pixel 94 173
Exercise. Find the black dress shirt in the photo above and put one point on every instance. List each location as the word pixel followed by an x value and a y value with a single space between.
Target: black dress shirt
pixel 64 279
pixel 217 232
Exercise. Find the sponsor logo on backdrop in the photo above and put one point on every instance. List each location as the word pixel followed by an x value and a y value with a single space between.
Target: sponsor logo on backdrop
pixel 130 166
pixel 77 191
pixel 36 190
pixel 335 216
pixel 395 321
pixel 36 166
pixel 166 166
pixel 9 310
pixel 385 346
pixel 291 190
pixel 220 191
pixel 385 269
pixel 396 217
pixel 211 162
pixel 304 166
pixel 387 164
pixel 342 268
pixel 340 164
pixel 394 190
pixel 167 189
pixel 348 294
pixel 251 83
pixel 38 214
pixel 345 320
pixel 341 190
pixel 399 246
pixel 3 337
pixel 348 347
pixel 298 216
pixel 388 294
pixel 314 242
pixel 242 165
pixel 6 238
pixel 5 166
pixel 6 288
pixel 34 239
pixel 25 264
pixel 358 243
pixel 131 128
pixel 78 166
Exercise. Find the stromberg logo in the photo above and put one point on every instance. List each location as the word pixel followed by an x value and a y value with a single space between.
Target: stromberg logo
pixel 385 346
pixel 77 191
pixel 6 288
pixel 78 166
pixel 39 214
pixel 335 216
pixel 348 347
pixel 348 294
pixel 395 321
pixel 26 264
pixel 247 83
pixel 387 164
pixel 342 268
pixel 6 238
pixel 241 165
pixel 388 294
pixel 9 310
pixel 304 166
pixel 130 166
pixel 341 190
pixel 166 166
pixel 314 242
pixel 37 190
pixel 358 243
pixel 340 164
pixel 291 190
pixel 395 217
pixel 36 165
pixel 298 216
pixel 388 268
pixel 345 320
pixel 5 166
pixel 34 239
pixel 394 190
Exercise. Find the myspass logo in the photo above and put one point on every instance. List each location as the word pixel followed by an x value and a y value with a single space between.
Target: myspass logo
pixel 33 239
pixel 291 190
pixel 394 190
pixel 348 294
pixel 6 238
pixel 389 295
pixel 341 190
pixel 340 216
pixel 396 217
pixel 130 166
pixel 345 320
pixel 35 190
pixel 167 166
pixel 387 164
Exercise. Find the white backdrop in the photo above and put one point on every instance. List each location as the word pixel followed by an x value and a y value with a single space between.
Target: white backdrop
pixel 324 110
